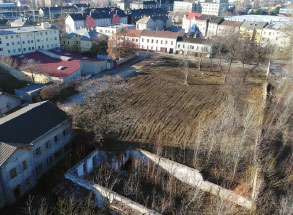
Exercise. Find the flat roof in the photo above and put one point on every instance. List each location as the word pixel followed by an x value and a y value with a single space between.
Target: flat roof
pixel 33 87
pixel 24 29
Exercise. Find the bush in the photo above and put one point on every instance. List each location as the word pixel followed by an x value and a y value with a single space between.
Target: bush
pixel 50 92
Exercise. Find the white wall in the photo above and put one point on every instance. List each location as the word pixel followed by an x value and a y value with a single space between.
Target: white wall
pixel 8 103
pixel 156 43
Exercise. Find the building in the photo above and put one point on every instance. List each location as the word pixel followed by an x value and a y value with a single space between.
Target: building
pixel 212 8
pixel 130 35
pixel 58 66
pixel 135 5
pixel 275 35
pixel 188 22
pixel 30 93
pixel 194 46
pixel 183 7
pixel 286 11
pixel 135 15
pixel 32 140
pixel 22 40
pixel 252 30
pixel 227 28
pixel 123 5
pixel 213 23
pixel 74 22
pixel 258 18
pixel 145 23
pixel 8 103
pixel 80 41
pixel 55 12
pixel 162 41
pixel 111 30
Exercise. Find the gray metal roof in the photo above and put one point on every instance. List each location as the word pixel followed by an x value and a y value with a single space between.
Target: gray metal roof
pixel 6 151
pixel 25 29
pixel 33 87
pixel 31 122
pixel 253 25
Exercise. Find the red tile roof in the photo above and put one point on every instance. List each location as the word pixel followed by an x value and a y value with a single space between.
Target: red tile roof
pixel 162 34
pixel 190 15
pixel 49 65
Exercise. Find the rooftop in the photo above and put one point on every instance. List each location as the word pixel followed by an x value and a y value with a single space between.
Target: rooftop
pixel 49 65
pixel 211 18
pixel 190 15
pixel 231 23
pixel 6 151
pixel 144 20
pixel 194 40
pixel 24 126
pixel 24 29
pixel 253 25
pixel 33 87
pixel 162 34
pixel 130 32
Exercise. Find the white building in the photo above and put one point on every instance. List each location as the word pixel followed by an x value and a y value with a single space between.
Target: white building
pixel 22 40
pixel 130 35
pixel 194 46
pixel 227 28
pixel 8 102
pixel 145 23
pixel 188 22
pixel 275 35
pixel 32 140
pixel 74 22
pixel 211 8
pixel 163 41
pixel 259 18
pixel 184 7
pixel 111 30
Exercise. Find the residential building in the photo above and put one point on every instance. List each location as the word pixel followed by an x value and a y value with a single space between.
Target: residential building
pixel 201 26
pixel 184 7
pixel 275 35
pixel 188 22
pixel 123 5
pixel 212 8
pixel 8 103
pixel 286 11
pixel 135 5
pixel 74 22
pixel 145 23
pixel 194 46
pixel 135 15
pixel 258 18
pixel 22 40
pixel 252 30
pixel 227 28
pixel 30 93
pixel 213 23
pixel 58 66
pixel 111 30
pixel 80 41
pixel 130 35
pixel 32 140
pixel 55 12
pixel 162 41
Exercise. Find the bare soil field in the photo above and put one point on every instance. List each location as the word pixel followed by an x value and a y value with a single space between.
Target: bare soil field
pixel 164 107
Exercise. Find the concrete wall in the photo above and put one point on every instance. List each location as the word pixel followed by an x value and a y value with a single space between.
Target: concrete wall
pixel 8 102
pixel 194 178
pixel 92 67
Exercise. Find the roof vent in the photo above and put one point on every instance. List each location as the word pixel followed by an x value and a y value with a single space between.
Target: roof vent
pixel 60 68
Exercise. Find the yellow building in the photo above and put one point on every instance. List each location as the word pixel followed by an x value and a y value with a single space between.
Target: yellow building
pixel 80 41
pixel 252 30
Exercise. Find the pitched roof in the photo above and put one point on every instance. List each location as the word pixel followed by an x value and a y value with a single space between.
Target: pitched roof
pixel 107 12
pixel 29 123
pixel 193 40
pixel 6 151
pixel 190 15
pixel 130 33
pixel 162 34
pixel 144 20
pixel 231 23
pixel 77 16
pixel 253 25
pixel 149 11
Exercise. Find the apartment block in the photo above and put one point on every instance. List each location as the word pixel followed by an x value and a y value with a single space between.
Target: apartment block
pixel 22 40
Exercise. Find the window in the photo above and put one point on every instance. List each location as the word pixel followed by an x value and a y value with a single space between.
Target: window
pixel 32 41
pixel 13 173
pixel 38 151
pixel 12 43
pixel 56 139
pixel 48 145
pixel 58 154
pixel 27 181
pixel 7 44
pixel 142 40
pixel 49 160
pixel 152 41
pixel 161 41
pixel 16 191
pixel 8 51
pixel 28 42
pixel 1 49
pixel 148 40
pixel 6 37
pixel 23 42
pixel 16 36
pixel 19 50
pixel 166 42
pixel 39 168
pixel 18 42
pixel 171 42
pixel 24 165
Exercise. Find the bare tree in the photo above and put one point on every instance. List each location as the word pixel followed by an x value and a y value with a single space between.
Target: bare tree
pixel 31 66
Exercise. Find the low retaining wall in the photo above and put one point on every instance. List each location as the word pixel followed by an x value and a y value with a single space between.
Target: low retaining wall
pixel 194 178
pixel 87 165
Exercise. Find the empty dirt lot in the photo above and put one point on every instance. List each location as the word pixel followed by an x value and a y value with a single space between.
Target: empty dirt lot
pixel 164 107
